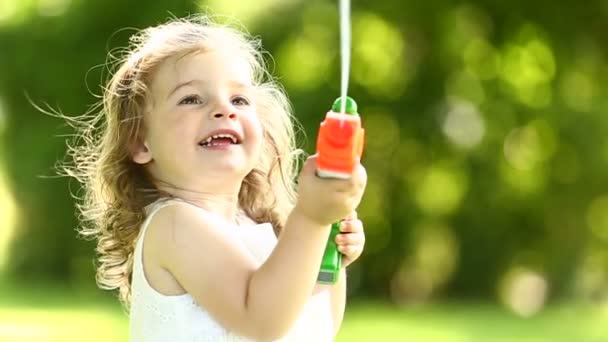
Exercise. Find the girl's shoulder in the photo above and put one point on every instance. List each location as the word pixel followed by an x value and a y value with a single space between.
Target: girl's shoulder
pixel 160 203
pixel 255 239
pixel 180 210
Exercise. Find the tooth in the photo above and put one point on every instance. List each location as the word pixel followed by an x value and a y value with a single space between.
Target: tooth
pixel 221 135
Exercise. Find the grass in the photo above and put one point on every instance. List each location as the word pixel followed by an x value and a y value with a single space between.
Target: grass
pixel 468 322
pixel 55 314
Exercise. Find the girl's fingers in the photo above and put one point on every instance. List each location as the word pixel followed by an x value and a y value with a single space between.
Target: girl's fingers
pixel 349 250
pixel 351 216
pixel 350 239
pixel 352 226
pixel 344 249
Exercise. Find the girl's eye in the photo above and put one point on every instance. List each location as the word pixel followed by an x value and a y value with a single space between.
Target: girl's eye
pixel 190 100
pixel 240 101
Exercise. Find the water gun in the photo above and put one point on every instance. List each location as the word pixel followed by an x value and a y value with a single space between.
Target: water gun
pixel 339 149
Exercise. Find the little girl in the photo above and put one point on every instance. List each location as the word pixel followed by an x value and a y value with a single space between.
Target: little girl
pixel 189 173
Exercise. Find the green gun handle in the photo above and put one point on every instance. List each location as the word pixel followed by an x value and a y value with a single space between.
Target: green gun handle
pixel 339 147
pixel 332 259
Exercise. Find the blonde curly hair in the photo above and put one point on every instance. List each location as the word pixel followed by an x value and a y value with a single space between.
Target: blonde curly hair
pixel 116 189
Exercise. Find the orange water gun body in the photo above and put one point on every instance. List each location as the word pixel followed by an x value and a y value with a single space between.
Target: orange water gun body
pixel 339 149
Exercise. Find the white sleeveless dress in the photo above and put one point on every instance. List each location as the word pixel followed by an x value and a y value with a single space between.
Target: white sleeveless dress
pixel 155 317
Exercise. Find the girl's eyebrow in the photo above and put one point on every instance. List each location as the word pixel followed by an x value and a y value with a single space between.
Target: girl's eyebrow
pixel 239 84
pixel 184 84
pixel 235 84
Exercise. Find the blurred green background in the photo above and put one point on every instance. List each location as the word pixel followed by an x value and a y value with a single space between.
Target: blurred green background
pixel 487 152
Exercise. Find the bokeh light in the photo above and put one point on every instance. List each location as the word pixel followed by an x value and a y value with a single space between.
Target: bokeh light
pixel 379 62
pixel 579 82
pixel 247 12
pixel 523 182
pixel 481 59
pixel 305 60
pixel 7 10
pixel 8 206
pixel 441 189
pixel 527 150
pixel 578 90
pixel 524 291
pixel 465 85
pixel 8 213
pixel 592 276
pixel 429 266
pixel 463 25
pixel 528 67
pixel 526 147
pixel 463 124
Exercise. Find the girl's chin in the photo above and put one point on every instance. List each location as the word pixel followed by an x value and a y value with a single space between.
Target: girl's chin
pixel 228 175
pixel 227 166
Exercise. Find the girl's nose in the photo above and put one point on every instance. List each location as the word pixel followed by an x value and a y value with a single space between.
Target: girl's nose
pixel 224 109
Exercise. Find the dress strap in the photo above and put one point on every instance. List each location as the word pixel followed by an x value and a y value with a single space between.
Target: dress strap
pixel 150 210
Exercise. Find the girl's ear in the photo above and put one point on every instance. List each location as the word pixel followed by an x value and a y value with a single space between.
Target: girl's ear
pixel 140 153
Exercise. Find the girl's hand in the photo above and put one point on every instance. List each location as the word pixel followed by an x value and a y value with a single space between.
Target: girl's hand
pixel 351 239
pixel 325 200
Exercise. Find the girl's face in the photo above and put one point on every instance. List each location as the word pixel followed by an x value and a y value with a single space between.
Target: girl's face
pixel 201 129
